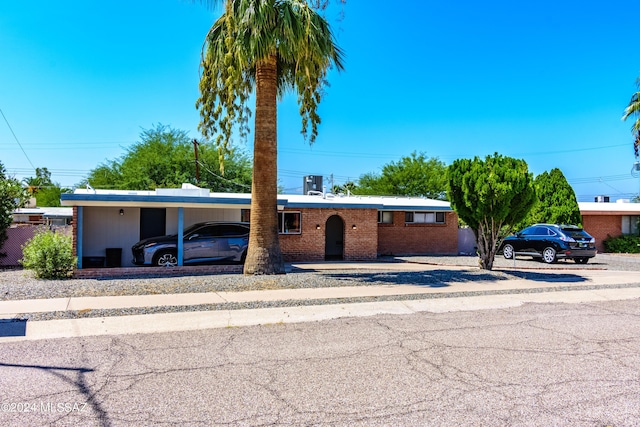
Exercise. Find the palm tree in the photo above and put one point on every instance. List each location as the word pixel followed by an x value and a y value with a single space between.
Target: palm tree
pixel 633 109
pixel 271 46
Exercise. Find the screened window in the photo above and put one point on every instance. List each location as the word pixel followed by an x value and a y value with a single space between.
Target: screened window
pixel 289 223
pixel 424 217
pixel 385 217
pixel 630 224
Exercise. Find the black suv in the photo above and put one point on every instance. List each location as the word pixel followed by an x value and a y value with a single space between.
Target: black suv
pixel 550 242
pixel 203 242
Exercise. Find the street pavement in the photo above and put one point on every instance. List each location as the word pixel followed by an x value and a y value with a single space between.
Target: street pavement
pixel 536 364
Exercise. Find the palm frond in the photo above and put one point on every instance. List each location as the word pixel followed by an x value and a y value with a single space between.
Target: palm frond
pixel 250 31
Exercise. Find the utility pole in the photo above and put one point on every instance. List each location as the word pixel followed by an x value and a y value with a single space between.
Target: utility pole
pixel 195 150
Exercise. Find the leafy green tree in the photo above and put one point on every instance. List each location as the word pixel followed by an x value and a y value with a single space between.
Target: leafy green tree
pixel 50 196
pixel 413 175
pixel 12 196
pixel 270 46
pixel 35 183
pixel 491 196
pixel 633 109
pixel 165 158
pixel 46 192
pixel 557 203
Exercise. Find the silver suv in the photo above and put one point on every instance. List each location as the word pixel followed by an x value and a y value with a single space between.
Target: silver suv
pixel 204 242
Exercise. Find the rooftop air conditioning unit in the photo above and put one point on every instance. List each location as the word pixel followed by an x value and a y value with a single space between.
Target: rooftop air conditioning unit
pixel 312 183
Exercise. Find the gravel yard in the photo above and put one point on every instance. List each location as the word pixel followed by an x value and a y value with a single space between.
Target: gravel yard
pixel 19 284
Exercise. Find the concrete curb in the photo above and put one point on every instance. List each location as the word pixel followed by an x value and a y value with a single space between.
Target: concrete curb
pixel 189 321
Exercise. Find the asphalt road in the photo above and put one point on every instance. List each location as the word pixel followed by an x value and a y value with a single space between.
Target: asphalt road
pixel 534 365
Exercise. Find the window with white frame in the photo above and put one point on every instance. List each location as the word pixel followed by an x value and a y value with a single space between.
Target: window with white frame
pixel 424 217
pixel 289 222
pixel 385 217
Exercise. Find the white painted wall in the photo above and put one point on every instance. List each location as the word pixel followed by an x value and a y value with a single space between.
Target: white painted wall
pixel 104 227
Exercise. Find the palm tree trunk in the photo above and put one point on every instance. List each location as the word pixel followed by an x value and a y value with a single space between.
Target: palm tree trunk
pixel 264 255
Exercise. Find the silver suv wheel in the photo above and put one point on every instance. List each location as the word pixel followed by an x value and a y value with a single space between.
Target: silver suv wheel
pixel 167 259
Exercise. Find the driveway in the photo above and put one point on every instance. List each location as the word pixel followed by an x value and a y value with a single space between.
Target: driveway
pixel 618 262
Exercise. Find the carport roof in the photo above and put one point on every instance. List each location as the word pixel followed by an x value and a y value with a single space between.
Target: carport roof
pixel 190 196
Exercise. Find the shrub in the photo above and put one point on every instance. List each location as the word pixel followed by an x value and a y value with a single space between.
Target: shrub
pixel 49 255
pixel 622 244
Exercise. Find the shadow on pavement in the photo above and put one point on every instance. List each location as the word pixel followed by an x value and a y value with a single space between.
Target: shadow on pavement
pixel 433 278
pixel 13 328
pixel 76 377
pixel 545 277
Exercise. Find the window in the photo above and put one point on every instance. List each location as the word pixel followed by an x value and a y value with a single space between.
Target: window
pixel 630 224
pixel 385 217
pixel 289 223
pixel 424 217
pixel 245 215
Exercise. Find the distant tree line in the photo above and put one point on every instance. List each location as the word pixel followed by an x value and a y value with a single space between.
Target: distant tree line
pixel 166 158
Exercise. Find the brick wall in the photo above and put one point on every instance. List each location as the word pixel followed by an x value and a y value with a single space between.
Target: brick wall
pixel 359 243
pixel 401 238
pixel 601 227
pixel 127 272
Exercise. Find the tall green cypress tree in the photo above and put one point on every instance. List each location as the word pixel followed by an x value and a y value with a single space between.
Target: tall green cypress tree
pixel 491 196
pixel 557 202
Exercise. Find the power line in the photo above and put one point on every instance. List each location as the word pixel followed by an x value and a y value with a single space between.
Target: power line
pixel 223 178
pixel 16 138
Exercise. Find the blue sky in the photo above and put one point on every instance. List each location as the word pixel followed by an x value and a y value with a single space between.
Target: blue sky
pixel 544 81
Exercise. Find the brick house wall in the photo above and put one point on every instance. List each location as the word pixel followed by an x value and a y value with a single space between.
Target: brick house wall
pixel 401 238
pixel 360 243
pixel 602 226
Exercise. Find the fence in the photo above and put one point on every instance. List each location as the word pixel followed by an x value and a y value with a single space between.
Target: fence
pixel 466 241
pixel 16 238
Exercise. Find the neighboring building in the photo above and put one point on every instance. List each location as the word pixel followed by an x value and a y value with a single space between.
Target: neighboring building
pixel 42 216
pixel 26 222
pixel 603 219
pixel 313 227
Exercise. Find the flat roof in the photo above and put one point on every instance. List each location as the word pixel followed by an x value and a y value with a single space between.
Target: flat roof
pixel 593 208
pixel 196 197
pixel 48 212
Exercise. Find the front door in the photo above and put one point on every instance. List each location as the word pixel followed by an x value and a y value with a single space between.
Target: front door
pixel 153 222
pixel 334 238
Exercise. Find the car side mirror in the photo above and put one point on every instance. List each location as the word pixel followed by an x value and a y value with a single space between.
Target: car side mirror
pixel 193 236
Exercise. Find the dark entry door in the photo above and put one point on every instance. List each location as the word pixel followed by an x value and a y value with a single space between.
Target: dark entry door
pixel 334 238
pixel 153 222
